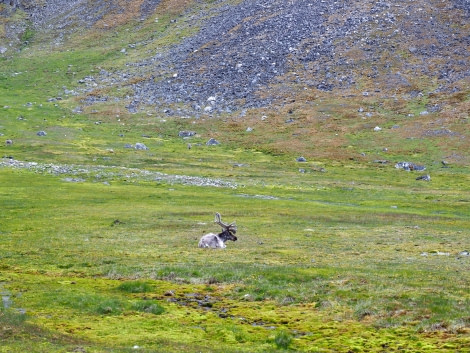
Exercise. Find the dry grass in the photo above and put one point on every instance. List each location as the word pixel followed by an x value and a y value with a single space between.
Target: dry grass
pixel 173 7
pixel 125 11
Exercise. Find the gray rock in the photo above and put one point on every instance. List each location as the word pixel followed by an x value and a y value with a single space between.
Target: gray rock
pixel 434 108
pixel 141 146
pixel 41 133
pixel 301 159
pixel 74 180
pixel 439 132
pixel 3 50
pixel 212 142
pixel 9 142
pixel 186 133
pixel 425 177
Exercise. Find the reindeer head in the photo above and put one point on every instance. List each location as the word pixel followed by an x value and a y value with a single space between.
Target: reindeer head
pixel 228 230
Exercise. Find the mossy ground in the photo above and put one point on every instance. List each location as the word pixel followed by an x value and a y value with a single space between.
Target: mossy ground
pixel 349 255
pixel 329 261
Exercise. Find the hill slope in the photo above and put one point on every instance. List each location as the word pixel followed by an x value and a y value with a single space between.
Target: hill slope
pixel 243 51
pixel 285 59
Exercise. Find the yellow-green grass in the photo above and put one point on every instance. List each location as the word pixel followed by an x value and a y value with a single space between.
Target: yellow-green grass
pixel 320 257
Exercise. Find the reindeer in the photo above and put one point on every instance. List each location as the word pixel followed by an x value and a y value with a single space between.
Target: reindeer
pixel 217 241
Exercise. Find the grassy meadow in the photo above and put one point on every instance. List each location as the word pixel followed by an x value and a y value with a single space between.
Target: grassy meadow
pixel 341 253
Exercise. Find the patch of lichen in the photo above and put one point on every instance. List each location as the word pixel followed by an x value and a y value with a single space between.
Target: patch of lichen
pixel 53 304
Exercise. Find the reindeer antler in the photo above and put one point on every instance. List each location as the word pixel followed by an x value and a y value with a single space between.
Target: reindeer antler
pixel 218 220
pixel 232 226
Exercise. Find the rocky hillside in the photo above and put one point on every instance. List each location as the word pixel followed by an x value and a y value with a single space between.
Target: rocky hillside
pixel 65 17
pixel 245 54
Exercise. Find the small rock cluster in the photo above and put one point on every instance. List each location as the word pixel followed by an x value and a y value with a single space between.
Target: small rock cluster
pixel 409 166
pixel 80 173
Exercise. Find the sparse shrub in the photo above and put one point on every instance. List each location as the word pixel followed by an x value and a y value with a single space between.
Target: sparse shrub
pixel 11 317
pixel 283 339
pixel 363 313
pixel 109 307
pixel 135 287
pixel 240 336
pixel 27 35
pixel 212 280
pixel 82 302
pixel 148 306
pixel 228 332
pixel 364 309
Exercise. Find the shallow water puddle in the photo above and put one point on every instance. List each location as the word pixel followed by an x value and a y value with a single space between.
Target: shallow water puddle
pixel 6 301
